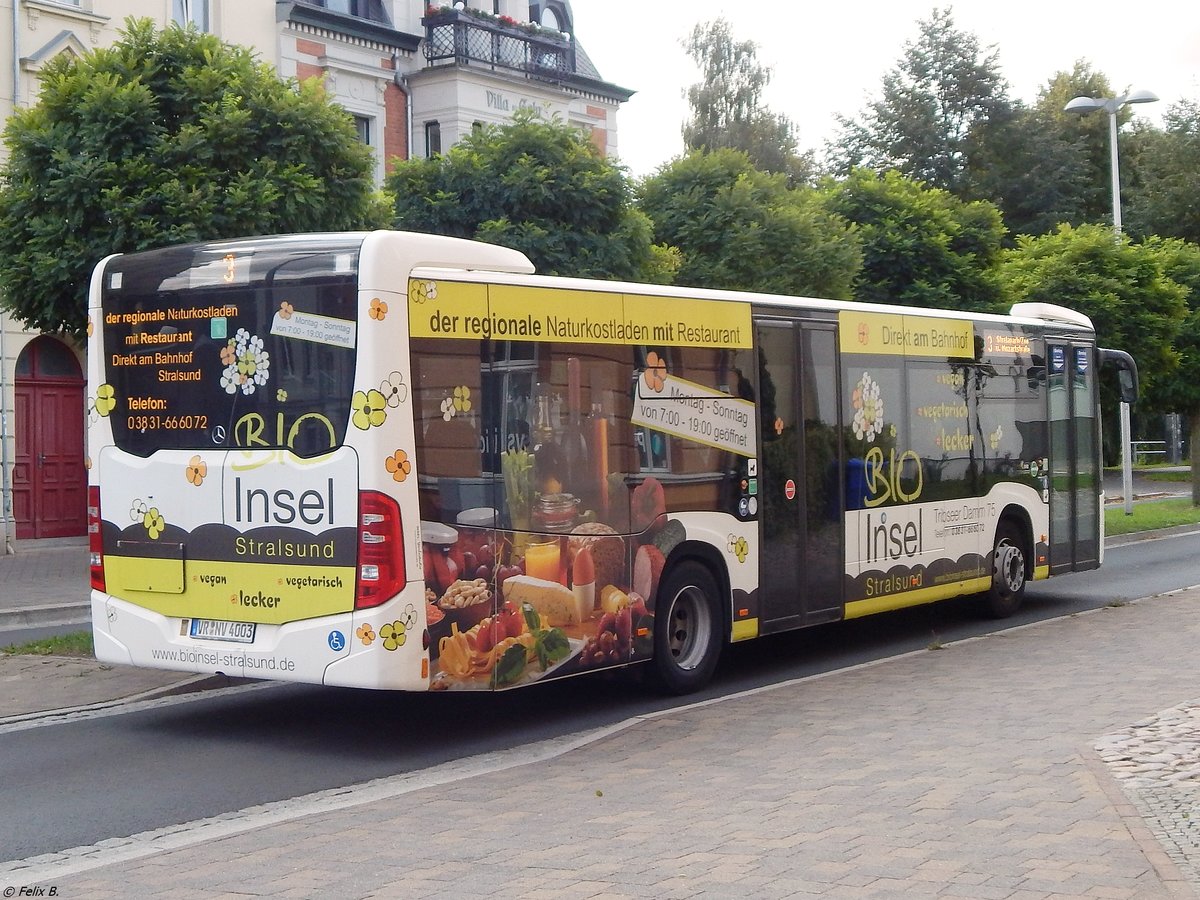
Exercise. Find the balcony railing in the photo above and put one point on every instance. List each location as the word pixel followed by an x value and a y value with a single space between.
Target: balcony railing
pixel 455 37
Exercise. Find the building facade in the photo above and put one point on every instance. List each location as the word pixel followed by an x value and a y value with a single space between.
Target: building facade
pixel 416 77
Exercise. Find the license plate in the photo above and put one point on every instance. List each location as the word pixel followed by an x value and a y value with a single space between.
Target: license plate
pixel 216 630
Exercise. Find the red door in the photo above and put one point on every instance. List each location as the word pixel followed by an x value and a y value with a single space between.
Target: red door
pixel 49 480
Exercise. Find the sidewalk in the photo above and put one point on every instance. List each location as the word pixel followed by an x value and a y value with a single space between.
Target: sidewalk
pixel 46 583
pixel 1058 760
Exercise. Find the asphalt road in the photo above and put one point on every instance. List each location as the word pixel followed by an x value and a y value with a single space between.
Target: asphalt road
pixel 80 781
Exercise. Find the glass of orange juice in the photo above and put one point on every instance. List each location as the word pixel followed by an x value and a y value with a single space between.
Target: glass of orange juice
pixel 542 559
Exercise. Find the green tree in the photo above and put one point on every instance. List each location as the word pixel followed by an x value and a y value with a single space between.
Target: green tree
pixel 1022 161
pixel 537 186
pixel 742 229
pixel 1084 140
pixel 921 246
pixel 164 137
pixel 1126 289
pixel 727 112
pixel 1166 199
pixel 942 87
pixel 1179 391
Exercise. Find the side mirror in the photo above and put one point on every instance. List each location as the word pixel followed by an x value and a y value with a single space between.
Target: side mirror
pixel 1127 374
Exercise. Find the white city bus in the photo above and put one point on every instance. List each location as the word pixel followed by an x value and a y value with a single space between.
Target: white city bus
pixel 402 461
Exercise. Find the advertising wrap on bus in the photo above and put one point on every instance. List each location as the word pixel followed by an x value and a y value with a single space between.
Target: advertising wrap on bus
pixel 393 460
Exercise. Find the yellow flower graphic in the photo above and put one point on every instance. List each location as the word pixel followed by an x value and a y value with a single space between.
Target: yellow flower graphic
pixel 393 635
pixel 196 471
pixel 398 465
pixel 285 310
pixel 378 310
pixel 420 291
pixel 154 523
pixel 281 395
pixel 370 408
pixel 655 372
pixel 366 634
pixel 247 365
pixel 741 549
pixel 462 398
pixel 106 399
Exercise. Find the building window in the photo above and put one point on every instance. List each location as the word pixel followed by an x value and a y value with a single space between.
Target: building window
pixel 190 12
pixel 362 9
pixel 433 138
pixel 362 125
pixel 551 14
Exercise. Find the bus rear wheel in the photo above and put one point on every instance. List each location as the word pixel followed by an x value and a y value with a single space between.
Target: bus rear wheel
pixel 687 629
pixel 1007 590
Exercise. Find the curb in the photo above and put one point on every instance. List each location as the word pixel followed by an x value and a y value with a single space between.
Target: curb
pixel 1120 540
pixel 45 615
pixel 193 685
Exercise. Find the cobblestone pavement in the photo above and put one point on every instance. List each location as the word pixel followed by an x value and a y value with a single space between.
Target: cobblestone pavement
pixel 971 771
pixel 1157 762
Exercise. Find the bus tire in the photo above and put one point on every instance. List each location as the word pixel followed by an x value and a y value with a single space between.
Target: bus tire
pixel 687 629
pixel 1009 571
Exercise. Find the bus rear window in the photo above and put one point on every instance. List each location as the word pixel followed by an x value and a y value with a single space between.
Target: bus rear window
pixel 211 345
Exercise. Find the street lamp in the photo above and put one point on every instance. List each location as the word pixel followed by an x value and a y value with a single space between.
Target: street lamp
pixel 1111 105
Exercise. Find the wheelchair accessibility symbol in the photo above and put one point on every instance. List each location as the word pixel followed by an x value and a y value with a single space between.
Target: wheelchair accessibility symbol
pixel 337 641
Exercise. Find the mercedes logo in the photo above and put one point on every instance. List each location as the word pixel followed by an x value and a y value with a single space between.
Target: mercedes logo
pixel 218 434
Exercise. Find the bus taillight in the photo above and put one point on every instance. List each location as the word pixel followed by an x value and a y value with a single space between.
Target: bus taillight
pixel 95 539
pixel 380 550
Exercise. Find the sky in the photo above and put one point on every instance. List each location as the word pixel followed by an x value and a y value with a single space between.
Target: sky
pixel 829 58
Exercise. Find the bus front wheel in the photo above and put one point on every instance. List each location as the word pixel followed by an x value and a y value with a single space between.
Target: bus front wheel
pixel 1007 590
pixel 687 629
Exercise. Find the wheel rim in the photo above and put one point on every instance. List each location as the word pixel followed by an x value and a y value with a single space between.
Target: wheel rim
pixel 689 627
pixel 1009 568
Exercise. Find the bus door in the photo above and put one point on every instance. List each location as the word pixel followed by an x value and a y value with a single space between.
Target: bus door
pixel 800 474
pixel 1074 455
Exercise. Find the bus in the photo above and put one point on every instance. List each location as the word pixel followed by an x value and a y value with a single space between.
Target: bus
pixel 403 461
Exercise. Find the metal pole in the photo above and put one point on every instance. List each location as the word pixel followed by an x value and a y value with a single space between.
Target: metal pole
pixel 1116 175
pixel 1126 460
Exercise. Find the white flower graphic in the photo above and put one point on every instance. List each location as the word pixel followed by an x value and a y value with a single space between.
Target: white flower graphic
pixel 868 409
pixel 248 365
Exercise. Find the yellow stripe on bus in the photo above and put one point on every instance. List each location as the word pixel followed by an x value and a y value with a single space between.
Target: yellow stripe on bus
pixel 896 334
pixel 744 629
pixel 450 309
pixel 235 591
pixel 859 608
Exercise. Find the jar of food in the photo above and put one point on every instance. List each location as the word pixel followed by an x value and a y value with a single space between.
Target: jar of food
pixel 555 512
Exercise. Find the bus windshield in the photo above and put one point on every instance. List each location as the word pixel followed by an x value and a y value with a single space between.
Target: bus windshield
pixel 232 345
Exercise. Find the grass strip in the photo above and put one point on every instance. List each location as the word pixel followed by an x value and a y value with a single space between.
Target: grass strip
pixel 77 643
pixel 1150 515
